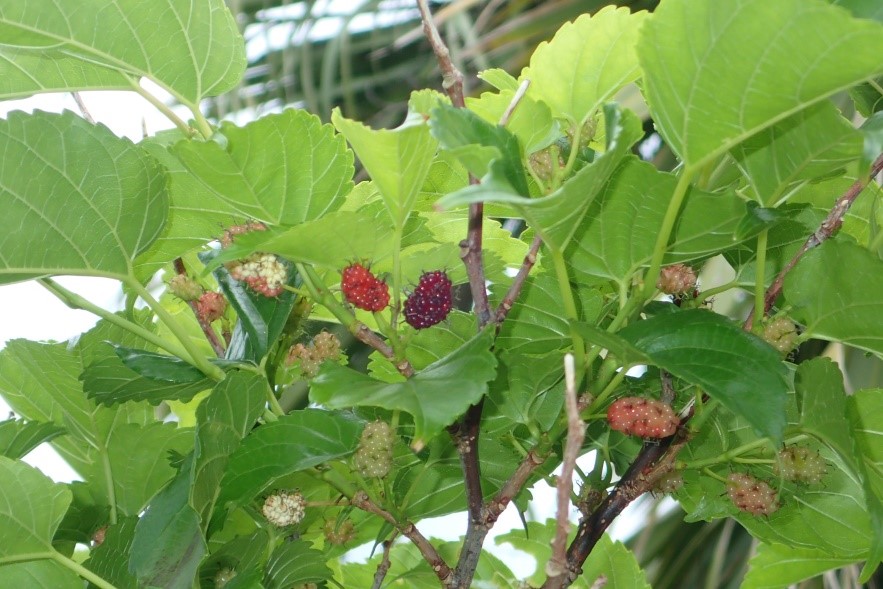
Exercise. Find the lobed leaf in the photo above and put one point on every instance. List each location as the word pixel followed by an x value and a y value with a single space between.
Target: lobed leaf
pixel 19 437
pixel 31 508
pixel 54 164
pixel 704 102
pixel 435 396
pixel 193 49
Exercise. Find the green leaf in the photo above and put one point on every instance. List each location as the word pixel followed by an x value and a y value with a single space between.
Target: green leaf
pixel 835 293
pixel 158 366
pixel 109 382
pixel 864 406
pixel 489 151
pixel 557 216
pixel 40 382
pixel 299 440
pixel 41 574
pixel 295 563
pixel 281 169
pixel 334 241
pixel 261 319
pixel 807 145
pixel 616 563
pixel 44 179
pixel 534 392
pixel 531 122
pixel 397 159
pixel 168 545
pixel 626 354
pixel 192 49
pixel 586 62
pixel 872 132
pixel 137 457
pixel 108 560
pixel 775 565
pixel 23 73
pixel 435 396
pixel 19 437
pixel 862 8
pixel 738 369
pixel 537 324
pixel 31 508
pixel 867 97
pixel 499 79
pixel 704 102
pixel 224 418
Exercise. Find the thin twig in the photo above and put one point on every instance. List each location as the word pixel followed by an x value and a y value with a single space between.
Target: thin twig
pixel 206 327
pixel 826 230
pixel 384 565
pixel 410 531
pixel 576 433
pixel 82 106
pixel 518 282
pixel 452 79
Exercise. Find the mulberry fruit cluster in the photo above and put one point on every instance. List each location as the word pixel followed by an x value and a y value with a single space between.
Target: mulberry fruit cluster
pixel 431 300
pixel 781 333
pixel 339 533
pixel 362 289
pixel 210 306
pixel 801 465
pixel 184 287
pixel 677 279
pixel 373 457
pixel 645 418
pixel 263 273
pixel 284 509
pixel 325 346
pixel 751 495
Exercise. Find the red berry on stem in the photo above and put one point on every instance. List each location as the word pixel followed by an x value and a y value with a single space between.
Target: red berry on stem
pixel 431 301
pixel 751 495
pixel 362 289
pixel 646 418
pixel 210 306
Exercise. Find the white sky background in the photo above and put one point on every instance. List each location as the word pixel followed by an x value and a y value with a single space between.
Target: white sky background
pixel 28 311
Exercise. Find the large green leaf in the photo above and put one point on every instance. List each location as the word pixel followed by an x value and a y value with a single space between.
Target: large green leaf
pixel 435 396
pixel 193 49
pixel 864 408
pixel 55 165
pixel 296 441
pixel 224 418
pixel 557 216
pixel 23 73
pixel 835 293
pixel 19 437
pixel 168 545
pixel 807 145
pixel 775 565
pixel 739 369
pixel 397 159
pixel 792 53
pixel 531 122
pixel 31 507
pixel 294 564
pixel 40 382
pixel 281 169
pixel 537 324
pixel 618 233
pixel 586 62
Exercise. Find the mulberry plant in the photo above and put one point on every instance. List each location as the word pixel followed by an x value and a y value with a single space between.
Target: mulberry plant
pixel 634 223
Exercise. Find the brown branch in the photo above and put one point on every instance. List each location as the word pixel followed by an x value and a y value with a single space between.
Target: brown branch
pixel 206 327
pixel 518 282
pixel 366 335
pixel 410 531
pixel 826 230
pixel 452 79
pixel 384 565
pixel 576 433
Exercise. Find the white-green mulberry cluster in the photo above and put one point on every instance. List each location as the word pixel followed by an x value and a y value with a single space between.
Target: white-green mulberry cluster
pixel 373 457
pixel 284 508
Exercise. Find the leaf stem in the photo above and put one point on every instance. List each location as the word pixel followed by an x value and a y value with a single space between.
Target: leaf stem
pixel 759 282
pixel 668 223
pixel 163 108
pixel 193 354
pixel 75 301
pixel 81 570
pixel 570 310
pixel 734 453
pixel 108 481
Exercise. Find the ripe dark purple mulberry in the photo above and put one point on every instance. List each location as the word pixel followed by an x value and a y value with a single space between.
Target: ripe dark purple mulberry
pixel 430 302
